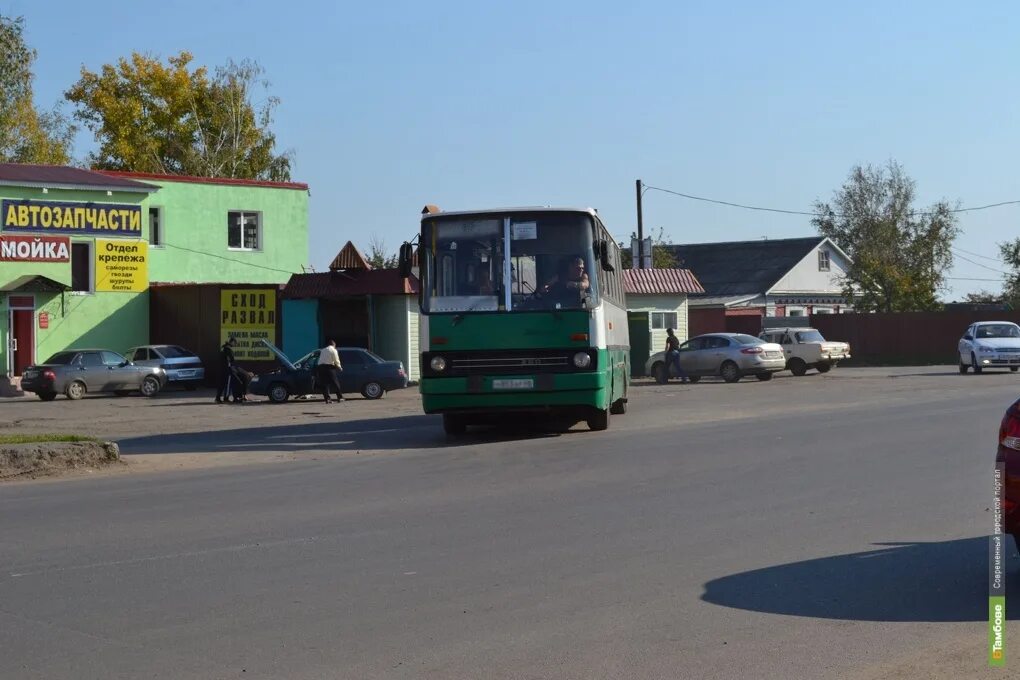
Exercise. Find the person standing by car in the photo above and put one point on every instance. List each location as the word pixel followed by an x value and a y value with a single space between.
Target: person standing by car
pixel 226 368
pixel 328 371
pixel 673 356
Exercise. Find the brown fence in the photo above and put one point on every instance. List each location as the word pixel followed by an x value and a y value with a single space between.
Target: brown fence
pixel 903 338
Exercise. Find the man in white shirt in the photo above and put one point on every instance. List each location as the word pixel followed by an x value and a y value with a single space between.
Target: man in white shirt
pixel 328 371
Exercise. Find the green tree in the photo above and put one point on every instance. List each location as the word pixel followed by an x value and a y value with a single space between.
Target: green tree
pixel 1010 254
pixel 900 255
pixel 662 258
pixel 148 116
pixel 26 134
pixel 377 256
pixel 983 297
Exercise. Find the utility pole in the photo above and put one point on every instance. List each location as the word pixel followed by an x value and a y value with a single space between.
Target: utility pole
pixel 640 228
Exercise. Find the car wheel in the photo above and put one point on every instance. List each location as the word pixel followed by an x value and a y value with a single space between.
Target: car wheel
pixel 974 363
pixel 278 393
pixel 1014 369
pixel 963 368
pixel 619 407
pixel 797 366
pixel 47 396
pixel 764 377
pixel 454 425
pixel 729 372
pixel 598 419
pixel 659 372
pixel 372 390
pixel 824 368
pixel 76 390
pixel 150 386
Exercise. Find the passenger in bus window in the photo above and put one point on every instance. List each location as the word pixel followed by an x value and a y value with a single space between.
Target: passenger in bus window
pixel 571 277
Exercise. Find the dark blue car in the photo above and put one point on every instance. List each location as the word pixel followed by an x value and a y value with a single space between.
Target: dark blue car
pixel 363 372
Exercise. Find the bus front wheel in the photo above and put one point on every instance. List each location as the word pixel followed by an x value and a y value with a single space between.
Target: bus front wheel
pixel 598 419
pixel 454 425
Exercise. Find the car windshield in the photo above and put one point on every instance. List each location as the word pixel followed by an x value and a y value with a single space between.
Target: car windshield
pixel 174 352
pixel 809 336
pixel 62 358
pixel 747 339
pixel 999 330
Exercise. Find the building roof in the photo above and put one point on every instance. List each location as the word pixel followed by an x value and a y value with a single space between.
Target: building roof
pixel 337 284
pixel 349 257
pixel 63 177
pixel 742 267
pixel 660 282
pixel 721 300
pixel 230 181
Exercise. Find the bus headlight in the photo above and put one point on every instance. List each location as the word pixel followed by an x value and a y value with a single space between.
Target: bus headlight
pixel 582 360
pixel 438 364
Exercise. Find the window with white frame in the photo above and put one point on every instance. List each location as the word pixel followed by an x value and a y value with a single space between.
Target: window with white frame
pixel 155 226
pixel 662 320
pixel 796 311
pixel 244 230
pixel 823 260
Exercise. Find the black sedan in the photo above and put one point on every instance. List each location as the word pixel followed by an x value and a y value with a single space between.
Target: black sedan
pixel 363 372
pixel 76 372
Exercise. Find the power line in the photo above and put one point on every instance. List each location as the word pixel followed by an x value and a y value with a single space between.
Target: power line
pixel 811 214
pixel 228 259
pixel 964 278
pixel 984 257
pixel 978 264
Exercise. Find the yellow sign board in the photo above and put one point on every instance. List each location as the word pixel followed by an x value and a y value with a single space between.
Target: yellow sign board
pixel 122 266
pixel 248 315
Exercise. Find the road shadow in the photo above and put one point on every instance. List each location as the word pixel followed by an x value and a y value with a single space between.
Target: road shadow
pixel 399 432
pixel 987 373
pixel 919 582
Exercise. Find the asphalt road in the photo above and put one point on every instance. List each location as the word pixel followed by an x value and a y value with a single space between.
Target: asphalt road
pixel 822 527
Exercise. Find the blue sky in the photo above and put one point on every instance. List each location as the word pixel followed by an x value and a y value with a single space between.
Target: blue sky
pixel 389 106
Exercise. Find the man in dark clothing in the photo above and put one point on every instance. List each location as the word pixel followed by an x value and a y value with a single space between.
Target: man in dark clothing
pixel 673 356
pixel 226 367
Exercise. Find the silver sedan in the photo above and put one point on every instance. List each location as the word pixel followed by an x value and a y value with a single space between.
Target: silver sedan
pixel 728 355
pixel 76 372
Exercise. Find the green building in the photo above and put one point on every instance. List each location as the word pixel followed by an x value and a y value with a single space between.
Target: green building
pixel 83 253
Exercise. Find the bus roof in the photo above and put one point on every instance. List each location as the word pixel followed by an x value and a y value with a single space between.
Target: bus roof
pixel 503 211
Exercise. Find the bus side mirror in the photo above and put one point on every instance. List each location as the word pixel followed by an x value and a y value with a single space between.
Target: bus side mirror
pixel 405 260
pixel 607 264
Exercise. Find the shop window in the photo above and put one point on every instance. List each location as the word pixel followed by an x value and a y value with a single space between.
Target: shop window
pixel 81 267
pixel 244 230
pixel 156 226
pixel 823 260
pixel 663 320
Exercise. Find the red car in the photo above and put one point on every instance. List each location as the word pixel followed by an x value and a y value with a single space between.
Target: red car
pixel 1009 453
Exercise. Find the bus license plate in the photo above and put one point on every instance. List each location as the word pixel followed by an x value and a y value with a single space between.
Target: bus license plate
pixel 514 384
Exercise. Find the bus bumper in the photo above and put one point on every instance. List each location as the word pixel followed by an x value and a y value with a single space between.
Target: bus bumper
pixel 518 393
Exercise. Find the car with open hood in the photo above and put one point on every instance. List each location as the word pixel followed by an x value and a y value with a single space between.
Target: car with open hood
pixel 363 372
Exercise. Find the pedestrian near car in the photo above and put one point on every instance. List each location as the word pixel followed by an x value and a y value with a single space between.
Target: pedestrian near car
pixel 328 371
pixel 226 369
pixel 673 356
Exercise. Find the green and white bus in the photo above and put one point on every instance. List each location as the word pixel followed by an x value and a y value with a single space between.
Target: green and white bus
pixel 523 310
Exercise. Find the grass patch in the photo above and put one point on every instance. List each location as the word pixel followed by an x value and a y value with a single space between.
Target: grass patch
pixel 36 438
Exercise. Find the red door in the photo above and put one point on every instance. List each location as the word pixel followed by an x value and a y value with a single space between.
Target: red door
pixel 21 335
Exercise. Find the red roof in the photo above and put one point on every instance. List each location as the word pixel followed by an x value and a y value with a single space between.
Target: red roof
pixel 337 284
pixel 660 282
pixel 349 257
pixel 60 175
pixel 230 181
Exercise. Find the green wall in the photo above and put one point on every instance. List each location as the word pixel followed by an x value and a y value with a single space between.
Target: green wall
pixel 109 320
pixel 195 219
pixel 195 251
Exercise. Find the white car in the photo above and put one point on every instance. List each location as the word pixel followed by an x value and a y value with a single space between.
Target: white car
pixel 990 344
pixel 805 348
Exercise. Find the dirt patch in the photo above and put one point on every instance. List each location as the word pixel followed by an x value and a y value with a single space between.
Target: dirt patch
pixel 45 459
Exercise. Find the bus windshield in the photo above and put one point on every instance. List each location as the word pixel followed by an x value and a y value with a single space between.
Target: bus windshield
pixel 549 264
